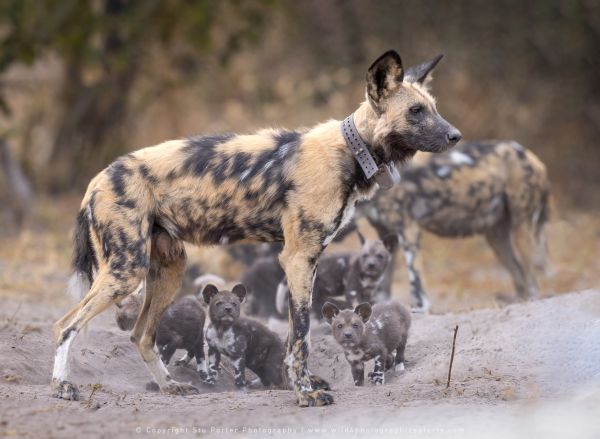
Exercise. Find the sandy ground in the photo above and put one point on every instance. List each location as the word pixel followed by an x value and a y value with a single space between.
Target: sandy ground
pixel 526 370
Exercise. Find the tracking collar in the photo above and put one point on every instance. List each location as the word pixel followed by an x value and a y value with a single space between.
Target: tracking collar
pixel 385 175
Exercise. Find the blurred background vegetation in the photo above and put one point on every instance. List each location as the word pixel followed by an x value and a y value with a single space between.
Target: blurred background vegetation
pixel 83 81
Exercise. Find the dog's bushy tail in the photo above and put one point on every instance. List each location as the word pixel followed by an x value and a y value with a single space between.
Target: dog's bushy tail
pixel 84 257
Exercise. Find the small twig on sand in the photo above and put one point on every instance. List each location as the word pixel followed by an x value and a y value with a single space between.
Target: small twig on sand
pixel 11 320
pixel 227 370
pixel 451 357
pixel 94 388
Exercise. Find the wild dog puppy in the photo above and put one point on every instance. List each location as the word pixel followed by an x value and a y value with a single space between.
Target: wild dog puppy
pixel 181 327
pixel 368 333
pixel 247 342
pixel 497 189
pixel 296 187
pixel 261 280
pixel 347 279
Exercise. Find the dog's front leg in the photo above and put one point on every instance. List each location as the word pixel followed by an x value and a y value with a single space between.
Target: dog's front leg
pixel 378 376
pixel 239 369
pixel 409 238
pixel 358 373
pixel 214 358
pixel 300 269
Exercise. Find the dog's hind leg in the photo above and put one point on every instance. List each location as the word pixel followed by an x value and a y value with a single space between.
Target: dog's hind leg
pixel 299 262
pixel 108 287
pixel 399 357
pixel 501 240
pixel 409 239
pixel 167 265
pixel 525 245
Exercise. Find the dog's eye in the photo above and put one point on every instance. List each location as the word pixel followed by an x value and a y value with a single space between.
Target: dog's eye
pixel 416 109
pixel 355 325
pixel 219 303
pixel 339 326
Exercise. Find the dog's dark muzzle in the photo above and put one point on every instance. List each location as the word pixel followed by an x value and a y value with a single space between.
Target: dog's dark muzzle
pixel 453 136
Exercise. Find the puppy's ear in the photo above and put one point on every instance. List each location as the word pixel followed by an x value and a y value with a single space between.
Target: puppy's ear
pixel 364 310
pixel 240 291
pixel 361 238
pixel 329 311
pixel 209 292
pixel 390 242
pixel 384 77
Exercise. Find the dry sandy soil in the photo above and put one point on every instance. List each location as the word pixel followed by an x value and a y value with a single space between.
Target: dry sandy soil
pixel 525 370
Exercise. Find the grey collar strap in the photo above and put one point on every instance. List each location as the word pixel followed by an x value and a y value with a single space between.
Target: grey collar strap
pixel 386 174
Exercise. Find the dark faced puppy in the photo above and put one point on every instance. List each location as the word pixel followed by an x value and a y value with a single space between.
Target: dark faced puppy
pixel 365 276
pixel 368 333
pixel 347 279
pixel 247 343
pixel 261 281
pixel 181 327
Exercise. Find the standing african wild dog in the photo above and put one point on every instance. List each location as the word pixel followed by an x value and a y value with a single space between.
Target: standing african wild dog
pixel 297 187
pixel 496 189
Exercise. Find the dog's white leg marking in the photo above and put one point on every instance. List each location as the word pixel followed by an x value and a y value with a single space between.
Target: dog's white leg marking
pixel 281 298
pixel 61 359
pixel 185 359
pixel 159 371
pixel 201 367
pixel 399 367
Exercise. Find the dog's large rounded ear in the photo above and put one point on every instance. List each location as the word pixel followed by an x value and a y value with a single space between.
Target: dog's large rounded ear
pixel 390 242
pixel 208 292
pixel 364 310
pixel 384 77
pixel 240 291
pixel 422 72
pixel 329 311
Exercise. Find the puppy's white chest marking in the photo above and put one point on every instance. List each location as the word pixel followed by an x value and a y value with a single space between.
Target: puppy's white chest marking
pixel 224 342
pixel 355 355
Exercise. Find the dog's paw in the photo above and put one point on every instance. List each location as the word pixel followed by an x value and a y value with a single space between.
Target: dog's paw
pixel 376 378
pixel 210 380
pixel 175 388
pixel 66 390
pixel 240 383
pixel 314 398
pixel 152 386
pixel 399 367
pixel 316 382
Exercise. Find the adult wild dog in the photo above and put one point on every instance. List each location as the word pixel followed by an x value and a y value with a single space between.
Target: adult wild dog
pixel 497 189
pixel 297 187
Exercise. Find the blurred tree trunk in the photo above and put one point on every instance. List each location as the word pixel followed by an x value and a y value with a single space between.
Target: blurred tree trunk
pixel 19 190
pixel 91 129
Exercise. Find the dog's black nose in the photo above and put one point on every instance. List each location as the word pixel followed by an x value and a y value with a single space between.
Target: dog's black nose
pixel 454 136
pixel 347 335
pixel 228 309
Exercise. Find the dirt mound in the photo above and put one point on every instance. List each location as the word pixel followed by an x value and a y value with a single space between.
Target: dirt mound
pixel 514 368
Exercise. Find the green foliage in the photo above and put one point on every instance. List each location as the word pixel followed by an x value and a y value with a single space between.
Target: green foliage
pixel 111 34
